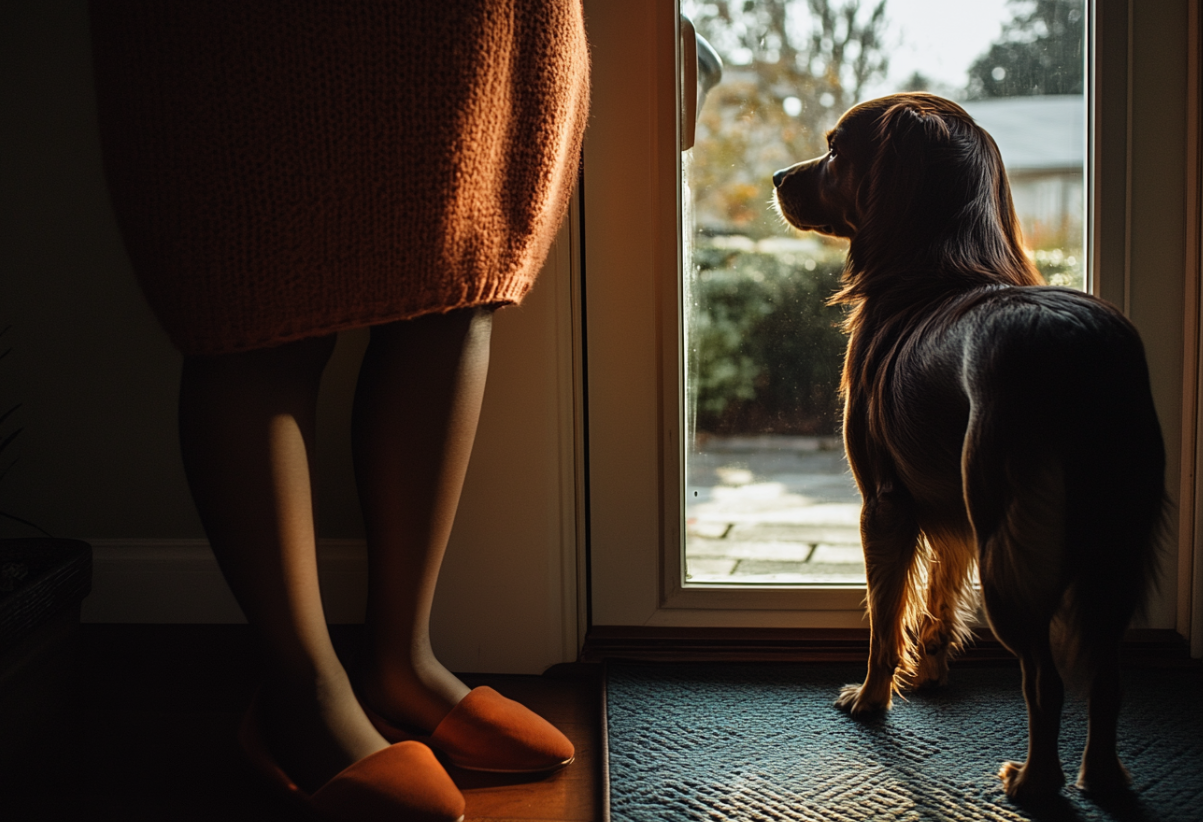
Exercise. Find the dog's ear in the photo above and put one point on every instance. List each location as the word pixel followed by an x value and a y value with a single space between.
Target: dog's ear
pixel 901 194
pixel 936 195
pixel 1007 218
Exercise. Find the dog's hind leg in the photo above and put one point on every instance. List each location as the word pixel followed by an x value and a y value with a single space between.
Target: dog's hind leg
pixel 1116 526
pixel 890 537
pixel 943 627
pixel 1023 626
pixel 1040 775
pixel 1101 769
pixel 1114 541
pixel 1019 520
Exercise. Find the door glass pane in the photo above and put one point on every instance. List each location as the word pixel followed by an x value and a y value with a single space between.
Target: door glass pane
pixel 769 499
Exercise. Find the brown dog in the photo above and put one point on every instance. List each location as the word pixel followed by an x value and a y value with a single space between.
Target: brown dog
pixel 987 419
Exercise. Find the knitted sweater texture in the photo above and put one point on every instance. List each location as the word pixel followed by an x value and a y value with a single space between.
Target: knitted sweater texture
pixel 286 170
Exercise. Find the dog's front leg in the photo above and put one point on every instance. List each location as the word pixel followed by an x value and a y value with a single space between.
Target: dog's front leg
pixel 889 536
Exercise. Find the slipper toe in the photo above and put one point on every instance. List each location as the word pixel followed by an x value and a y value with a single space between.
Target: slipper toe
pixel 488 732
pixel 401 782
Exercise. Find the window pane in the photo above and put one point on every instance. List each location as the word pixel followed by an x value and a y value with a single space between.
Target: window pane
pixel 769 498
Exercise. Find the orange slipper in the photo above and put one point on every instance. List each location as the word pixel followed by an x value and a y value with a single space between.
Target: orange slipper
pixel 488 732
pixel 401 783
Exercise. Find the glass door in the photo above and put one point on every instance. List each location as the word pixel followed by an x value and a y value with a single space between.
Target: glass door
pixel 768 498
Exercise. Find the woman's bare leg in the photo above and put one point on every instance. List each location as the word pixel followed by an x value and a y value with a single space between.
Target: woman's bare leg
pixel 246 430
pixel 416 411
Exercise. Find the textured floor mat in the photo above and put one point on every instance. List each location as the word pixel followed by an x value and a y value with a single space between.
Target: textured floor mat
pixel 763 742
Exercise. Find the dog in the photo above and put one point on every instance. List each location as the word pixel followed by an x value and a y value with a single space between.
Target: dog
pixel 989 420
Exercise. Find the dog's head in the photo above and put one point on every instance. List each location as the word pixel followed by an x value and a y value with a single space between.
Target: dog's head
pixel 911 180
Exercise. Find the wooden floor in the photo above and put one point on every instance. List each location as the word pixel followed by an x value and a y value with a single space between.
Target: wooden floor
pixel 142 727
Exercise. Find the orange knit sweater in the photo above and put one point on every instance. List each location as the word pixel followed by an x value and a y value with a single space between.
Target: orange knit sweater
pixel 285 170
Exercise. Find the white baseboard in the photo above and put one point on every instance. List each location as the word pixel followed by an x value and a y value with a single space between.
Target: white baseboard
pixel 177 580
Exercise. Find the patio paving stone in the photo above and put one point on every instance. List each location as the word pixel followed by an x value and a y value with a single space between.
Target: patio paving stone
pixel 772 510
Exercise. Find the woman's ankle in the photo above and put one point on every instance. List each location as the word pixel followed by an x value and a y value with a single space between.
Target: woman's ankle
pixel 314 729
pixel 411 696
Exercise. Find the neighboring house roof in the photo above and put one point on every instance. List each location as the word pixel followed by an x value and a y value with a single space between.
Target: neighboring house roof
pixel 1035 133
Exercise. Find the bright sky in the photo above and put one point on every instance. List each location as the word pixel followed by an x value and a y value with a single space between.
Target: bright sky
pixel 939 38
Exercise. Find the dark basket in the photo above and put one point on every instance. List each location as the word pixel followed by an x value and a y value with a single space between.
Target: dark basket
pixel 39 579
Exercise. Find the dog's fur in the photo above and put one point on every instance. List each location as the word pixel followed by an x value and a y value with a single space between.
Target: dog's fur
pixel 988 418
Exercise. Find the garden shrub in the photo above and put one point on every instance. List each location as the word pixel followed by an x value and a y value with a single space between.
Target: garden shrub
pixel 767 349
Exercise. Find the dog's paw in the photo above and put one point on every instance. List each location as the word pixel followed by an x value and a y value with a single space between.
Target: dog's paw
pixel 921 681
pixel 932 656
pixel 1026 785
pixel 1103 777
pixel 856 701
pixel 931 672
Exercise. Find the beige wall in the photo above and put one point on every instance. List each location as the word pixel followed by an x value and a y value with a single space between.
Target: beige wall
pixel 95 375
pixel 97 380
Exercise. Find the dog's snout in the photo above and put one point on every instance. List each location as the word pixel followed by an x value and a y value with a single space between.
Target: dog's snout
pixel 779 177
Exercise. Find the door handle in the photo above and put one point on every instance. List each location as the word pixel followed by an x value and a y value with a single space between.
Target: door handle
pixel 701 70
pixel 689 83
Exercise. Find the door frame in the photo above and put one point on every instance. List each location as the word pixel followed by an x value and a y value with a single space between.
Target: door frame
pixel 1142 254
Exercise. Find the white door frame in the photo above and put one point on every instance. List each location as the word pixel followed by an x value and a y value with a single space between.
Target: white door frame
pixel 1143 256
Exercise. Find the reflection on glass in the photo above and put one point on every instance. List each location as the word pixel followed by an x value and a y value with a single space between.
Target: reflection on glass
pixel 768 495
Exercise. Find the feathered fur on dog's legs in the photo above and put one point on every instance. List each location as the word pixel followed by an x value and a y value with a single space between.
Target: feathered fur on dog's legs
pixel 890 536
pixel 943 627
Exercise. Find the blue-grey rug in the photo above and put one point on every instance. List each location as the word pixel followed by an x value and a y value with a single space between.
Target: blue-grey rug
pixel 763 742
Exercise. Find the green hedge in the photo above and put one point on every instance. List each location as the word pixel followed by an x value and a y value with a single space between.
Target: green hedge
pixel 766 349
